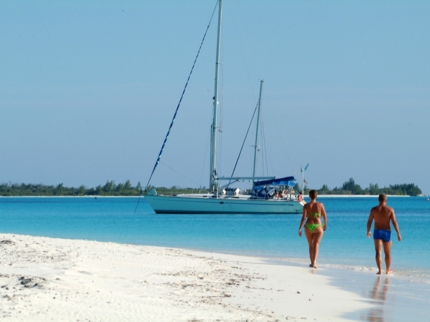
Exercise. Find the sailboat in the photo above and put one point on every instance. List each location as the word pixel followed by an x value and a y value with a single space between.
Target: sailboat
pixel 270 195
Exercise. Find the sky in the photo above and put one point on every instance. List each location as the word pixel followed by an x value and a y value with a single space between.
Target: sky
pixel 88 90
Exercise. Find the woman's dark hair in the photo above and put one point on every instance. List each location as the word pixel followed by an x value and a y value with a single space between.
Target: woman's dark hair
pixel 313 194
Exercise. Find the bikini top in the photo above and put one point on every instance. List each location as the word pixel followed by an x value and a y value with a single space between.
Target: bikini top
pixel 315 215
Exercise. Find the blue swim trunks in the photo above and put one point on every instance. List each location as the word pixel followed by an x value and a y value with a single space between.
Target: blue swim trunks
pixel 385 235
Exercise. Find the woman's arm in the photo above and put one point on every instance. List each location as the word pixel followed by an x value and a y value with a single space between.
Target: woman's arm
pixel 302 221
pixel 324 215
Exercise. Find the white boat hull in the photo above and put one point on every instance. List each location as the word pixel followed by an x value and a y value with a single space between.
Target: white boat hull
pixel 222 205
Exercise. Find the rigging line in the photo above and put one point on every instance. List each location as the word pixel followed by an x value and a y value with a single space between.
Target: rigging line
pixel 220 137
pixel 241 47
pixel 269 162
pixel 262 148
pixel 282 140
pixel 243 143
pixel 180 100
pixel 179 103
pixel 264 152
pixel 177 172
pixel 204 159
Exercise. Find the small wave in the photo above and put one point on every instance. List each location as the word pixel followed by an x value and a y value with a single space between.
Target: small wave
pixel 412 275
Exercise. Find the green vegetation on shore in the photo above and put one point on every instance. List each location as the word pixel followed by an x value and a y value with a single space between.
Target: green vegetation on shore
pixel 351 188
pixel 126 189
pixel 109 189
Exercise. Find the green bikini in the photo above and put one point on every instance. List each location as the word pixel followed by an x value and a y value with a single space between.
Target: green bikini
pixel 312 227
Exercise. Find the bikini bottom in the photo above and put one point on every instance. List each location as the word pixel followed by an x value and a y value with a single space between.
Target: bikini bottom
pixel 312 227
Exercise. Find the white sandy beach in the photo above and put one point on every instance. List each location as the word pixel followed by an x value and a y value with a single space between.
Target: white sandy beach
pixel 47 279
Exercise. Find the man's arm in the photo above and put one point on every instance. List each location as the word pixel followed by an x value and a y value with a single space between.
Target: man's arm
pixel 369 224
pixel 396 226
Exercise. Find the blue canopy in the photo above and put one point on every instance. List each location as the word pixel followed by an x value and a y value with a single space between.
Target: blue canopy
pixel 286 181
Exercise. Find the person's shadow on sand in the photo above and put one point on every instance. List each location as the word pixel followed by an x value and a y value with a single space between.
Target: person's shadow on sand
pixel 376 314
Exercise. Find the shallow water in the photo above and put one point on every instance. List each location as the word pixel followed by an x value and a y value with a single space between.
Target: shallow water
pixel 394 299
pixel 344 245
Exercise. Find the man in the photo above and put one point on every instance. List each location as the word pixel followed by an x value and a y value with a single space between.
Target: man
pixel 382 215
pixel 300 199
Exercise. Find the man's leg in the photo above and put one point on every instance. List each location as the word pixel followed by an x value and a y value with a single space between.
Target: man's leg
pixel 387 252
pixel 378 250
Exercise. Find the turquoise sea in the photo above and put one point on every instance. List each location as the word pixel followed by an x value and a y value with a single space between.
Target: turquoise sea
pixel 346 254
pixel 344 245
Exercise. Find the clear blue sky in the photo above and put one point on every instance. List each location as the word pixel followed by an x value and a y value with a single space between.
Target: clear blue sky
pixel 88 89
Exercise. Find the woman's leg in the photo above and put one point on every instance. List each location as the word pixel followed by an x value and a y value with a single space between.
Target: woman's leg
pixel 308 234
pixel 316 239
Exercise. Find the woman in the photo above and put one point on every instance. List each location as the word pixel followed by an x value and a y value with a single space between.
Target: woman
pixel 314 229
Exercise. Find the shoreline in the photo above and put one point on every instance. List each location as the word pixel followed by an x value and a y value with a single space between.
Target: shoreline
pixel 142 197
pixel 66 279
pixel 400 272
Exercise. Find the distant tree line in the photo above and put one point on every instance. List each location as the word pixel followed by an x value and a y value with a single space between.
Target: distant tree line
pixel 109 189
pixel 126 189
pixel 351 188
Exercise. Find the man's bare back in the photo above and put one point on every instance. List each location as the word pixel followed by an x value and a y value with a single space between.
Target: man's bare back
pixel 383 217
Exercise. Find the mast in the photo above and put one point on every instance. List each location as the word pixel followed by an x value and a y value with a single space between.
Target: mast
pixel 303 178
pixel 256 131
pixel 214 127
